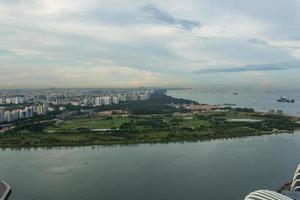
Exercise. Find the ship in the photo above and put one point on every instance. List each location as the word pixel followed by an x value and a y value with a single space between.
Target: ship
pixel 5 190
pixel 286 100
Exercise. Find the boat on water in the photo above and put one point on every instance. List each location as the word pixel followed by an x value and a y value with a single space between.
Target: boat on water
pixel 286 100
pixel 5 190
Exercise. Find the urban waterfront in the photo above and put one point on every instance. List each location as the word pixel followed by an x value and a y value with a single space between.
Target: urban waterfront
pixel 259 99
pixel 218 169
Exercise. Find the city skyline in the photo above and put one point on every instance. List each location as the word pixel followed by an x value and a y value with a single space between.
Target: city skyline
pixel 149 43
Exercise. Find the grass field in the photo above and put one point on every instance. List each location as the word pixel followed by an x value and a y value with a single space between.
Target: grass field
pixel 79 130
pixel 100 122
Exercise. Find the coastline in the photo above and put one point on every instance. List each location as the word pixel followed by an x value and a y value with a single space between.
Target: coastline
pixel 129 143
pixel 174 120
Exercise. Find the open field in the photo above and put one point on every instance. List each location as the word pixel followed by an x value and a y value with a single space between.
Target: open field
pixel 116 129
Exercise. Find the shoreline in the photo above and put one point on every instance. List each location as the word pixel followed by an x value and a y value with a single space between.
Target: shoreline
pixel 173 120
pixel 134 143
pixel 271 100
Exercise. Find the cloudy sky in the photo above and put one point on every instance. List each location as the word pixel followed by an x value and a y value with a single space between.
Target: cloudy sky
pixel 126 43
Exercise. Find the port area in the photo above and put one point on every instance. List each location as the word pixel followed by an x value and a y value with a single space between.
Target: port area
pixel 4 190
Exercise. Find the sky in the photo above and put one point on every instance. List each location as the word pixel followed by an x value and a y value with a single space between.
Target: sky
pixel 149 43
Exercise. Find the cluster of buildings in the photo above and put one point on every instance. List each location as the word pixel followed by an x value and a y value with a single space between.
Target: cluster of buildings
pixel 96 100
pixel 77 97
pixel 276 112
pixel 200 108
pixel 13 100
pixel 27 112
pixel 36 101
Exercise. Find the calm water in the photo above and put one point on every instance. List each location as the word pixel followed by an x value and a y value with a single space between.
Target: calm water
pixel 261 100
pixel 215 170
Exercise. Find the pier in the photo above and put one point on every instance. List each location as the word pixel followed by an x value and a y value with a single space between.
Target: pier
pixel 4 190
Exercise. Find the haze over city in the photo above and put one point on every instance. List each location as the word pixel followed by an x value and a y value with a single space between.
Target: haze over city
pixel 89 43
pixel 149 99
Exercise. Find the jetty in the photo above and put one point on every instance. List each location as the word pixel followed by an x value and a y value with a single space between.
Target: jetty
pixel 5 190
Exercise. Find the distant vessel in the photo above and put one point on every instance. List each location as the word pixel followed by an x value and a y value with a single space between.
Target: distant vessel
pixel 286 100
pixel 235 93
pixel 5 190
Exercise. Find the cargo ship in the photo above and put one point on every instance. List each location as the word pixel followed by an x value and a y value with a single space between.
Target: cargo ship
pixel 5 190
pixel 286 100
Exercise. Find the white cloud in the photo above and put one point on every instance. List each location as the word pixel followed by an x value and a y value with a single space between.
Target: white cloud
pixel 76 37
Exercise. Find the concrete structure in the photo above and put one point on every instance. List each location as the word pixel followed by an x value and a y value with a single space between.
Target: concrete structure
pixel 115 100
pixel 8 116
pixel 144 97
pixel 293 194
pixel 99 101
pixel 2 119
pixel 295 187
pixel 5 190
pixel 16 114
pixel 42 109
pixel 266 195
pixel 107 100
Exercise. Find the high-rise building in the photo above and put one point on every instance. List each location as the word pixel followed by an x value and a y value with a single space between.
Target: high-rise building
pixel 18 100
pixel 123 97
pixel 107 100
pixel 39 110
pixel 8 100
pixel 2 119
pixel 144 97
pixel 99 101
pixel 8 116
pixel 115 100
pixel 20 115
pixel 31 111
pixel 42 109
pixel 27 112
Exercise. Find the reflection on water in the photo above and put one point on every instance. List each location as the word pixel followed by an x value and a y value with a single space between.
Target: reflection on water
pixel 232 167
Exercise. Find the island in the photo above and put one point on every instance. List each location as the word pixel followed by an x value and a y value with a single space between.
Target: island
pixel 159 119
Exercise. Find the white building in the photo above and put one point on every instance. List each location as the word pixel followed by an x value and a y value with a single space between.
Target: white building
pixel 99 101
pixel 2 119
pixel 295 187
pixel 8 116
pixel 2 100
pixel 16 114
pixel 292 194
pixel 42 109
pixel 28 112
pixel 115 100
pixel 107 100
pixel 18 100
pixel 144 97
pixel 266 195
pixel 8 100
pixel 62 108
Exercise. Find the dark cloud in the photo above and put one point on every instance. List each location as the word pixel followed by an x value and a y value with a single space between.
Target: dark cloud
pixel 158 16
pixel 258 41
pixel 252 68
